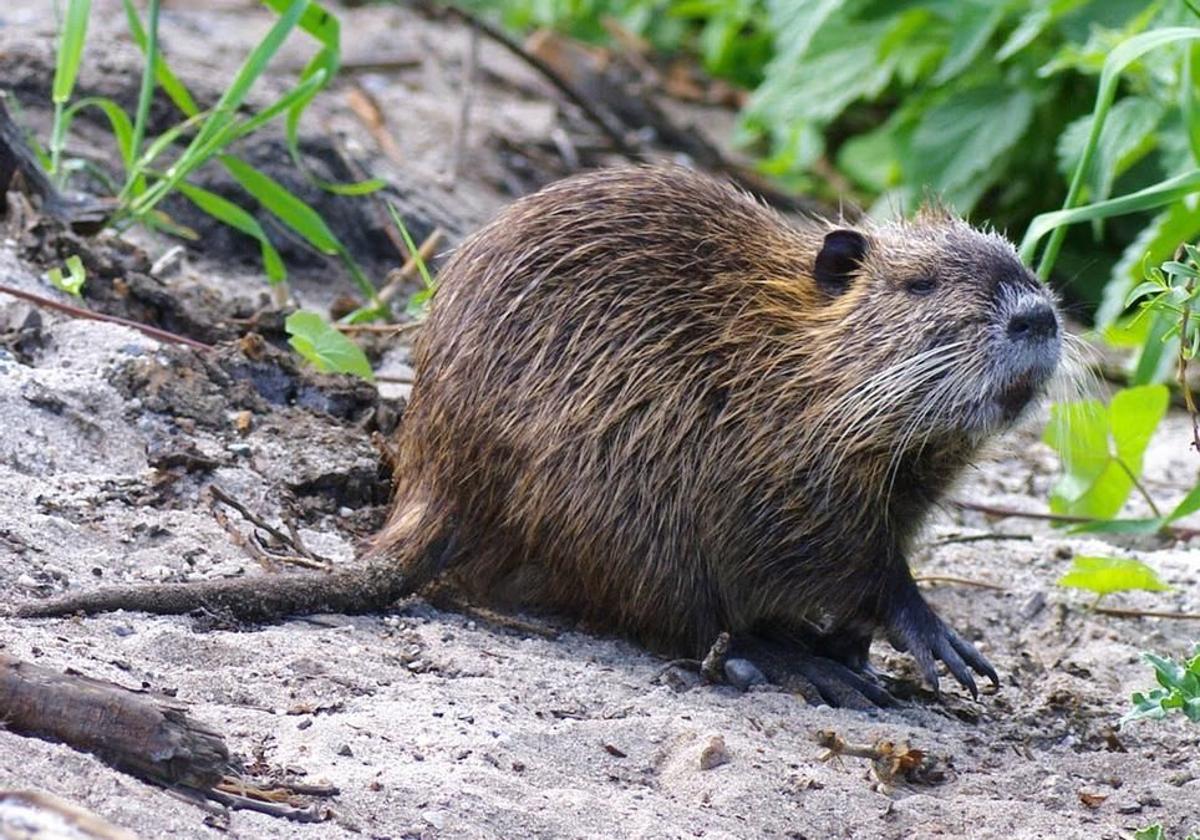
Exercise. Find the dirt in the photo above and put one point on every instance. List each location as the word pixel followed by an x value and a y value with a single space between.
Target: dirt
pixel 439 722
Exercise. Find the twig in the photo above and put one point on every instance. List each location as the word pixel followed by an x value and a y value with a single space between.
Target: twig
pixel 224 498
pixel 397 278
pixel 1181 374
pixel 1124 613
pixel 1176 531
pixel 467 99
pixel 79 312
pixel 383 329
pixel 394 380
pixel 310 814
pixel 970 538
pixel 614 133
pixel 981 584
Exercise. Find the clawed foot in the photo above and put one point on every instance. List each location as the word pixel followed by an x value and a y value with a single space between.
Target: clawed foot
pixel 911 625
pixel 819 679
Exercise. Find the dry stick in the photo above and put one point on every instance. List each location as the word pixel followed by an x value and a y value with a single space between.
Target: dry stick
pixel 224 498
pixel 614 133
pixel 1182 369
pixel 1177 531
pixel 383 329
pixel 425 253
pixel 79 312
pixel 470 72
pixel 309 814
pixel 982 584
pixel 969 538
pixel 1124 613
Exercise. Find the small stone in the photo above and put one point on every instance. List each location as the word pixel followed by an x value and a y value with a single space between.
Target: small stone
pixel 743 673
pixel 714 753
pixel 345 750
pixel 435 818
pixel 304 724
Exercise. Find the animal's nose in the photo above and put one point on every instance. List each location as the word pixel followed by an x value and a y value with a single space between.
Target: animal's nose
pixel 1035 322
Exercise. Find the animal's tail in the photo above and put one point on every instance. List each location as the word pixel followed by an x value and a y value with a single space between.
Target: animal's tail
pixel 410 555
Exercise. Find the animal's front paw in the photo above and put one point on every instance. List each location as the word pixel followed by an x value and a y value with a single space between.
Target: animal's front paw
pixel 912 625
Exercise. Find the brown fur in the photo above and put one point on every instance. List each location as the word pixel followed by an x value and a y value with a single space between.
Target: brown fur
pixel 631 383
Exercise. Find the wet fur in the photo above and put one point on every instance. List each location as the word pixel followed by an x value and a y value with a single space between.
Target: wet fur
pixel 632 395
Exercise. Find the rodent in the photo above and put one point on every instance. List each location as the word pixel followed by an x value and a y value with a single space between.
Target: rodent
pixel 658 406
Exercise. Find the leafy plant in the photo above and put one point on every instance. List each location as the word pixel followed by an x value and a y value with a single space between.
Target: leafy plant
pixel 1179 690
pixel 1106 575
pixel 327 349
pixel 1101 450
pixel 153 168
pixel 1156 832
pixel 72 282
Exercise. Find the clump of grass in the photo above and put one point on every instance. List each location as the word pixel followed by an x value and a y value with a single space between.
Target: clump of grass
pixel 154 168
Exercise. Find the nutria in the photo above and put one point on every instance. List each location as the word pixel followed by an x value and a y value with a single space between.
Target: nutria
pixel 663 409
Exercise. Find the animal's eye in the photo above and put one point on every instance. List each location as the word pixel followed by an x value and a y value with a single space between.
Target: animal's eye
pixel 921 286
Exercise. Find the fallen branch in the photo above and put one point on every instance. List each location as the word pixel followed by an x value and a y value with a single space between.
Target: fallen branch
pixel 133 731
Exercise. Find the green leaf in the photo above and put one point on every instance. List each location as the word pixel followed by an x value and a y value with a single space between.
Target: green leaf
pixel 118 120
pixel 1156 195
pixel 282 203
pixel 1157 241
pixel 1150 832
pixel 72 284
pixel 1134 413
pixel 977 21
pixel 70 49
pixel 1041 15
pixel 956 146
pixel 1117 60
pixel 1101 450
pixel 326 348
pixel 1128 134
pixel 1189 505
pixel 226 211
pixel 1105 575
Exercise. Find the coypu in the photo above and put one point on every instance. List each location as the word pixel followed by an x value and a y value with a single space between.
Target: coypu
pixel 665 410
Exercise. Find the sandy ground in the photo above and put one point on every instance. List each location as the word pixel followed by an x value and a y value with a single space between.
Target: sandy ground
pixel 439 723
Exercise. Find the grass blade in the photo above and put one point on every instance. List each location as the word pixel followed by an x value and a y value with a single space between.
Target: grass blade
pixel 145 94
pixel 282 203
pixel 226 211
pixel 118 120
pixel 167 80
pixel 1121 57
pixel 1164 192
pixel 66 69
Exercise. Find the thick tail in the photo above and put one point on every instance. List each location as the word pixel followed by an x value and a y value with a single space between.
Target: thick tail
pixel 412 556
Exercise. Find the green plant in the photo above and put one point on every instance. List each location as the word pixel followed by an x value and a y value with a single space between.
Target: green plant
pixel 1179 690
pixel 418 303
pixel 1106 575
pixel 1156 832
pixel 153 169
pixel 72 282
pixel 327 349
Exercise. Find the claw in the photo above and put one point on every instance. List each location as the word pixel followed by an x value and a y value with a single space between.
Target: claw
pixel 913 626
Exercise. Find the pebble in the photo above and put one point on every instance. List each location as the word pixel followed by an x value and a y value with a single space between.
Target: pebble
pixel 714 753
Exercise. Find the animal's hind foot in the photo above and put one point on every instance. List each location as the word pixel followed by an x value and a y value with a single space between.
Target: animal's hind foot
pixel 819 679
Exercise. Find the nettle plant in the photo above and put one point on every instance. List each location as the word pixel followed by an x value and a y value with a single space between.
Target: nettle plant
pixel 1100 446
pixel 154 168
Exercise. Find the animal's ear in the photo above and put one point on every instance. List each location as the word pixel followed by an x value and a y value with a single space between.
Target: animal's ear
pixel 841 254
